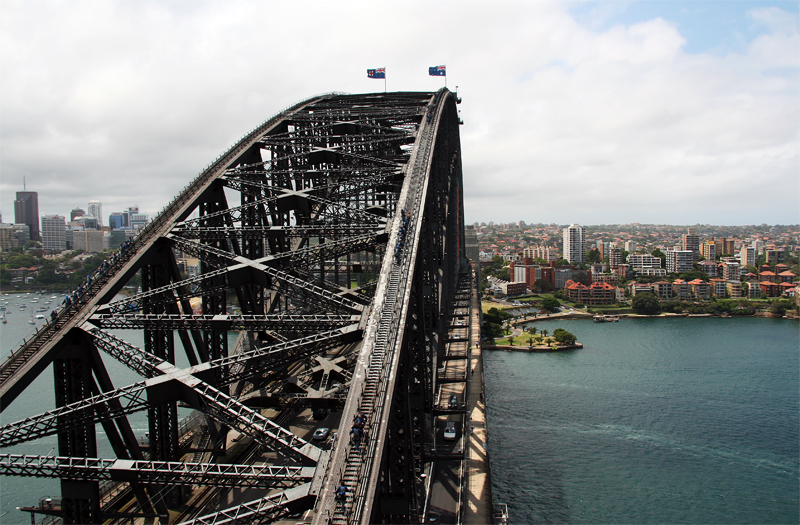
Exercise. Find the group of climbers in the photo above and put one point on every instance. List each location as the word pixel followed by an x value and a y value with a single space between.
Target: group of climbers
pixel 71 299
pixel 401 237
pixel 357 432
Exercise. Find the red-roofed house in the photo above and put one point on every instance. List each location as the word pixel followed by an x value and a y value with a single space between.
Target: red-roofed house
pixel 662 289
pixel 681 289
pixel 770 289
pixel 786 277
pixel 700 289
pixel 594 295
pixel 767 276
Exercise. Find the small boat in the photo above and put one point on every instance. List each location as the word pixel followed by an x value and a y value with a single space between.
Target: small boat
pixel 23 306
pixel 31 321
pixel 39 316
pixel 605 318
pixel 4 320
pixel 34 300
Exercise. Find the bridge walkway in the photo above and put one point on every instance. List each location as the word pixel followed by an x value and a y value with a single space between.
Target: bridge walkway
pixel 479 489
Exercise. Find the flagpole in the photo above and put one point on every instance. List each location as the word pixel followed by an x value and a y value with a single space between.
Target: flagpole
pixel 445 76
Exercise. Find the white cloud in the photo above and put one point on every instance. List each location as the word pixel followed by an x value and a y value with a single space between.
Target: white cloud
pixel 126 102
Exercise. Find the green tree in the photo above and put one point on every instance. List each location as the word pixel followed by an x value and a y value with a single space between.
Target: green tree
pixel 542 285
pixel 662 255
pixel 564 337
pixel 493 323
pixel 779 307
pixel 646 303
pixel 21 261
pixel 593 256
pixel 581 277
pixel 549 304
pixel 694 274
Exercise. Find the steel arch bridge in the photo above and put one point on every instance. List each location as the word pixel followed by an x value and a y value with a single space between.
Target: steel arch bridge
pixel 337 228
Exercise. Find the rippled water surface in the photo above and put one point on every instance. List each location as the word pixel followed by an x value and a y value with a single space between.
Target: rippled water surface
pixel 654 421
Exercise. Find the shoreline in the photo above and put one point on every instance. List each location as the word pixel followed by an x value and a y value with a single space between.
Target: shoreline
pixel 765 315
pixel 522 348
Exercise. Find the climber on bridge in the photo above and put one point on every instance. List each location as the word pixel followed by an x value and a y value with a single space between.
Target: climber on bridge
pixel 341 495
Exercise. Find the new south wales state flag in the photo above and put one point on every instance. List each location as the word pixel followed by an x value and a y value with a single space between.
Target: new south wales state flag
pixel 377 73
pixel 437 71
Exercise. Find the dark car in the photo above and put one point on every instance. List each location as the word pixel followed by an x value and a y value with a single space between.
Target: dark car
pixel 320 413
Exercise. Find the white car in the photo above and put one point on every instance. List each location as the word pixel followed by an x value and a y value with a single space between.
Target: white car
pixel 450 431
pixel 321 433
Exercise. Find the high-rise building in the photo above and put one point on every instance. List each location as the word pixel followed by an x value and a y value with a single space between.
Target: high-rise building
pixel 95 209
pixel 26 211
pixel 75 213
pixel 709 250
pixel 614 257
pixel 691 242
pixel 54 232
pixel 575 244
pixel 679 261
pixel 7 238
pixel 630 246
pixel 117 221
pixel 748 256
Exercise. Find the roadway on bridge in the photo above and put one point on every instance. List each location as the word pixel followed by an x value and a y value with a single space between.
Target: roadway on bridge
pixel 458 483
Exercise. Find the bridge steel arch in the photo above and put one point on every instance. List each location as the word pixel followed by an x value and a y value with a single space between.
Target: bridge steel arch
pixel 337 227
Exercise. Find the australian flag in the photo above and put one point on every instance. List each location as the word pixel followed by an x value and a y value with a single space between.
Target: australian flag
pixel 377 73
pixel 437 71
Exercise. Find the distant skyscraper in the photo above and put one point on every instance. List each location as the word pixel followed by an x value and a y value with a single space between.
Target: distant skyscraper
pixel 117 221
pixel 54 230
pixel 75 213
pixel 575 244
pixel 95 209
pixel 26 211
pixel 691 242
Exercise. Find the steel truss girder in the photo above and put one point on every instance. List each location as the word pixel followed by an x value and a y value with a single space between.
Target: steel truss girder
pixel 158 472
pixel 267 508
pixel 334 209
pixel 249 323
pixel 329 231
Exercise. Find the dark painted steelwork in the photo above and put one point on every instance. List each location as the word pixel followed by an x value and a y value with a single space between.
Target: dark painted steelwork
pixel 342 250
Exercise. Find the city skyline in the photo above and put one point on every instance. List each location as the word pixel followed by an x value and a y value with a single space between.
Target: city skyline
pixel 587 112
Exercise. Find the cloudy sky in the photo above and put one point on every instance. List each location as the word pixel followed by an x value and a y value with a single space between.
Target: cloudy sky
pixel 590 112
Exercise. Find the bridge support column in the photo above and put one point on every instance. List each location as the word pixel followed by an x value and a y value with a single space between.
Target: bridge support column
pixel 73 381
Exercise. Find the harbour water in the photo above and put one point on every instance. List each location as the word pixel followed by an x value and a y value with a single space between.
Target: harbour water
pixel 690 420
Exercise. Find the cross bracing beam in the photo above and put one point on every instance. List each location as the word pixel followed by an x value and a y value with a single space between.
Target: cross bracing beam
pixel 159 472
pixel 206 285
pixel 131 399
pixel 267 508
